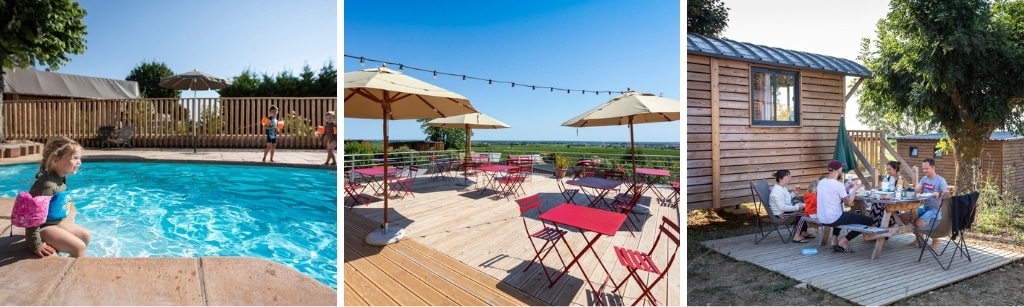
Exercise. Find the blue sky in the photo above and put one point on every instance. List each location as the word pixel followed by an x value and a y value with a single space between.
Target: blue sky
pixel 221 37
pixel 580 45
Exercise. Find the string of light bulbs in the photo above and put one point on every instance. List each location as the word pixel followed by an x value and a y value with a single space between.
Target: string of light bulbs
pixel 402 67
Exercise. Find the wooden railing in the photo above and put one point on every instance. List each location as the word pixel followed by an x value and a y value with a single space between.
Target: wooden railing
pixel 871 148
pixel 170 122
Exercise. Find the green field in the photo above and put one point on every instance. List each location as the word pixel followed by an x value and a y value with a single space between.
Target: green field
pixel 574 149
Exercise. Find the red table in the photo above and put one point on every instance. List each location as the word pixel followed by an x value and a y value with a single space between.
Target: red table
pixel 373 173
pixel 650 176
pixel 601 188
pixel 490 172
pixel 585 219
pixel 586 167
pixel 519 160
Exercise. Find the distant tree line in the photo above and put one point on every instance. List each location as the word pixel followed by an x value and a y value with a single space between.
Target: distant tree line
pixel 308 83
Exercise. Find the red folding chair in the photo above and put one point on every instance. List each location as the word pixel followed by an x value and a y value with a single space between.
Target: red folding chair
pixel 625 203
pixel 549 235
pixel 403 186
pixel 568 194
pixel 354 192
pixel 639 261
pixel 615 175
pixel 674 197
pixel 469 170
pixel 511 183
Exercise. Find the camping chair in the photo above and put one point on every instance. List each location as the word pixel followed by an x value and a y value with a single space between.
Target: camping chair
pixel 568 194
pixel 123 137
pixel 549 235
pixel 964 208
pixel 635 260
pixel 954 210
pixel 760 193
pixel 942 229
pixel 403 186
pixel 103 134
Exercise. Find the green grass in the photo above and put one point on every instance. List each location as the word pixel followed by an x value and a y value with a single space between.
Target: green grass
pixel 574 149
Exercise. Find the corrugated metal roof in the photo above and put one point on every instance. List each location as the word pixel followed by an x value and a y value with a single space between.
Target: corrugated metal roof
pixel 996 136
pixel 43 83
pixel 724 48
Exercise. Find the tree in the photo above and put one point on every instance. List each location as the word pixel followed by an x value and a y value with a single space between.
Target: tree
pixel 453 138
pixel 285 84
pixel 706 17
pixel 38 32
pixel 876 109
pixel 148 76
pixel 960 61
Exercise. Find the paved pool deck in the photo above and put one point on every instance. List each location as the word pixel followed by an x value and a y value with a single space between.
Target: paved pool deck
pixel 203 281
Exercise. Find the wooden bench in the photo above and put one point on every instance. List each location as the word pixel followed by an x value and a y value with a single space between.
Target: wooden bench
pixel 826 231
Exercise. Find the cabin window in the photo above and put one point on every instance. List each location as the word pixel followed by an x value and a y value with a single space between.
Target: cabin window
pixel 774 97
pixel 913 151
pixel 938 152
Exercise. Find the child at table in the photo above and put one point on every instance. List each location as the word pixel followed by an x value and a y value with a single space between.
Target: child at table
pixel 811 202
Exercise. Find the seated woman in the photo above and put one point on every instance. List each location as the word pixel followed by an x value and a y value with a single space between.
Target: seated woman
pixel 892 180
pixel 831 195
pixel 781 202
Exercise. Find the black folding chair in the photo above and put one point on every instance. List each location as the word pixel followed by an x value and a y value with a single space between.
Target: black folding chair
pixel 760 193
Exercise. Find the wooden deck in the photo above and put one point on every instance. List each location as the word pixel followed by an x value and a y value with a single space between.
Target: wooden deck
pixel 895 275
pixel 486 235
pixel 408 273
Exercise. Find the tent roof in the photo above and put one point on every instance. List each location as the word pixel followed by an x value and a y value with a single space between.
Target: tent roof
pixel 43 83
pixel 747 52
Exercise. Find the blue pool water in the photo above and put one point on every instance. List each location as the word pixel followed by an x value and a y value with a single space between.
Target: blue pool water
pixel 141 209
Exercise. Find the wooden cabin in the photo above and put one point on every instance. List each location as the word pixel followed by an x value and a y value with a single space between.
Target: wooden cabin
pixel 752 110
pixel 1003 150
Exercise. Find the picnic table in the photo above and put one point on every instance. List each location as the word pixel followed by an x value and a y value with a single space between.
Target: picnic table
pixel 891 206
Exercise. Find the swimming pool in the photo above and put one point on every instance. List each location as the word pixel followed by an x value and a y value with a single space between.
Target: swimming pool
pixel 146 209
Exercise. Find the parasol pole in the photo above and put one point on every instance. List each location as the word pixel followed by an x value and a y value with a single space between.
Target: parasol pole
pixel 632 150
pixel 385 108
pixel 469 143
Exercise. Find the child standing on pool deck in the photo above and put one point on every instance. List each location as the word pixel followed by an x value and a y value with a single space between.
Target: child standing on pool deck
pixel 271 133
pixel 61 157
pixel 331 137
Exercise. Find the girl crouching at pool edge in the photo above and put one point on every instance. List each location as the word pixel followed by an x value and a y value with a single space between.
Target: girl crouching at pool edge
pixel 61 157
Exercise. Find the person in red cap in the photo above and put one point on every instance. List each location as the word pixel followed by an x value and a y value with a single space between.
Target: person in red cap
pixel 832 193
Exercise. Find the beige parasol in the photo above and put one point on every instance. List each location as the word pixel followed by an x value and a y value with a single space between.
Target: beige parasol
pixel 387 94
pixel 628 109
pixel 469 122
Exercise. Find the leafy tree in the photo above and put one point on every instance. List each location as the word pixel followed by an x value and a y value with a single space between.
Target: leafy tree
pixel 453 138
pixel 706 17
pixel 960 61
pixel 148 76
pixel 875 107
pixel 38 32
pixel 284 84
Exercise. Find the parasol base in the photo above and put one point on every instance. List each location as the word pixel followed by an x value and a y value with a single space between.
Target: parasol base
pixel 384 237
pixel 641 209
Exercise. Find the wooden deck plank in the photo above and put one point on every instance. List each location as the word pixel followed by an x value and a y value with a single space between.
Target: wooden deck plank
pixel 894 276
pixel 483 289
pixel 486 236
pixel 367 289
pixel 354 299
